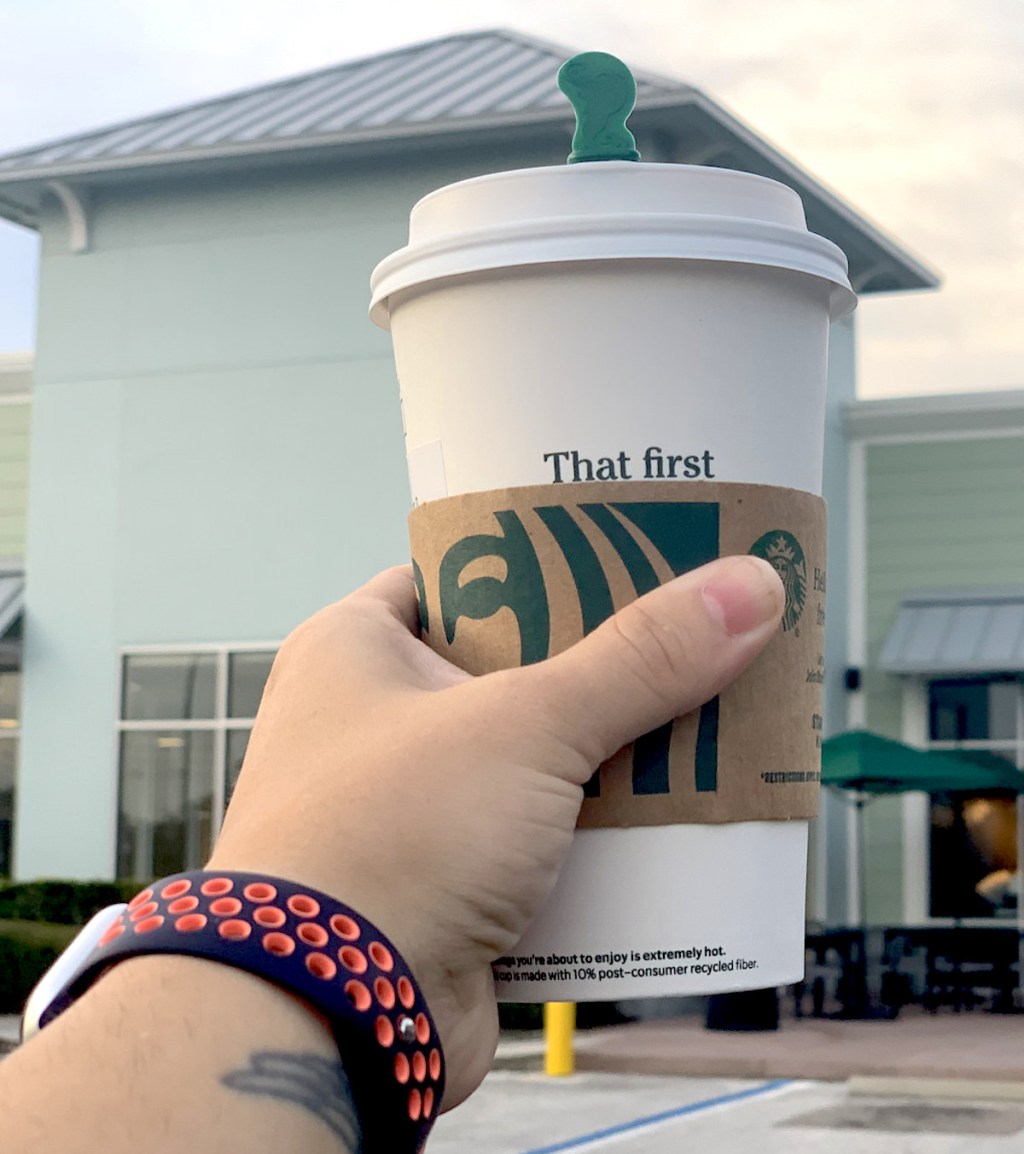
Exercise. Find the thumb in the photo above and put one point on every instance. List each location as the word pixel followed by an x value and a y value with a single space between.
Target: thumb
pixel 661 656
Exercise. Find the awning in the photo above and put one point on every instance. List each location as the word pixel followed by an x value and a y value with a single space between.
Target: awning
pixel 955 631
pixel 867 763
pixel 12 603
pixel 12 600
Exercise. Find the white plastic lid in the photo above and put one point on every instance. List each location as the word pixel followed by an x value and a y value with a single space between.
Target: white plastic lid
pixel 608 210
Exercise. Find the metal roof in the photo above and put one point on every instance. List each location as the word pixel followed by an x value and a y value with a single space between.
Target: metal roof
pixel 999 411
pixel 16 374
pixel 12 600
pixel 957 631
pixel 479 81
pixel 457 79
pixel 12 605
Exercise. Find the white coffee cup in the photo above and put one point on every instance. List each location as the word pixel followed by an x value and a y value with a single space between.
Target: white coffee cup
pixel 556 325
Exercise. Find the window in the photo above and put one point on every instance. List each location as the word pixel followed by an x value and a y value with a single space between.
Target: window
pixel 974 839
pixel 185 719
pixel 10 728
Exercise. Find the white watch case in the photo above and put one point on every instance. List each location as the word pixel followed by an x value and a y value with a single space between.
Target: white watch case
pixel 56 982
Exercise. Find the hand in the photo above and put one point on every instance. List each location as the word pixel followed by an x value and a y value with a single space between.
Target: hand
pixel 441 806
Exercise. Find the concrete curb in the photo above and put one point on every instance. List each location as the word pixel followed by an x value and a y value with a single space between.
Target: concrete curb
pixel 977 1049
pixel 10 1032
pixel 935 1088
pixel 519 1054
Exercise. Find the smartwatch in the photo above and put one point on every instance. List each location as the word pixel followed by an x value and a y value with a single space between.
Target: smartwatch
pixel 307 943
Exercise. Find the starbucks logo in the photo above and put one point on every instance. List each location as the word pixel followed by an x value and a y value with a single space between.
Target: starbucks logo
pixel 782 551
pixel 681 535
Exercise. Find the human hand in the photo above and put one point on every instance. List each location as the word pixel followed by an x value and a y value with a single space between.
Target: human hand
pixel 440 805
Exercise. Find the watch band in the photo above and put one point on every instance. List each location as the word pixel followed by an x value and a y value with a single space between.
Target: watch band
pixel 315 947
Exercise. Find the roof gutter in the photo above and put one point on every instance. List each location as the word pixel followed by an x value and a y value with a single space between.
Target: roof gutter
pixel 830 199
pixel 35 175
pixel 18 213
pixel 892 418
pixel 258 148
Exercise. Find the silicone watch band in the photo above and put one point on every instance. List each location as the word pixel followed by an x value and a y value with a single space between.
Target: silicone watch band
pixel 317 948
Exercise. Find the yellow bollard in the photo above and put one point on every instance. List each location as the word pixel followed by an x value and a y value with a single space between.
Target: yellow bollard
pixel 559 1024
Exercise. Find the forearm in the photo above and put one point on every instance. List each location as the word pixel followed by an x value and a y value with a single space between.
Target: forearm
pixel 166 1054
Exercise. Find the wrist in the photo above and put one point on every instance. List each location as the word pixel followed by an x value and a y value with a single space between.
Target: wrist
pixel 364 885
pixel 179 1053
pixel 302 940
pixel 208 996
pixel 184 981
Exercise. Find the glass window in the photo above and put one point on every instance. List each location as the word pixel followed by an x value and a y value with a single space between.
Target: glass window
pixel 1002 710
pixel 180 740
pixel 247 675
pixel 973 856
pixel 169 687
pixel 166 803
pixel 973 840
pixel 973 710
pixel 8 766
pixel 959 710
pixel 238 741
pixel 10 698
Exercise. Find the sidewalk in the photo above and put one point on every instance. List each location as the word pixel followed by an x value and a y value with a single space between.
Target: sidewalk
pixel 10 1032
pixel 976 1045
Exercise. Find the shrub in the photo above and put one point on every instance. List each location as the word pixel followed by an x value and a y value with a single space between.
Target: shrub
pixel 530 1015
pixel 520 1016
pixel 37 921
pixel 27 949
pixel 67 903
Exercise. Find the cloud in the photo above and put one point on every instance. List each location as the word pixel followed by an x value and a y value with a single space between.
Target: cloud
pixel 914 113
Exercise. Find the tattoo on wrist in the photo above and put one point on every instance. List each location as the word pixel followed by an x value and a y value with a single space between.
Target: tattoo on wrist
pixel 316 1084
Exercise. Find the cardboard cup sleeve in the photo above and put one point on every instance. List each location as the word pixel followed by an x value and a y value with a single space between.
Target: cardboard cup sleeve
pixel 512 576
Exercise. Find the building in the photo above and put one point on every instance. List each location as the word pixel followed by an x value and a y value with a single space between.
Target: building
pixel 209 397
pixel 15 416
pixel 936 634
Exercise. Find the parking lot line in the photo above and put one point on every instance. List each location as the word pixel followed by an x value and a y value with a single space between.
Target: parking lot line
pixel 598 1138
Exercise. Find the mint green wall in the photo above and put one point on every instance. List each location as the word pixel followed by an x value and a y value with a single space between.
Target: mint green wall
pixel 827 889
pixel 216 447
pixel 15 421
pixel 842 388
pixel 217 443
pixel 939 514
pixel 64 824
pixel 883 860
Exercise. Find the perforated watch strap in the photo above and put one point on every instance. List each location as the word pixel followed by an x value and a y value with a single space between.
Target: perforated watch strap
pixel 315 947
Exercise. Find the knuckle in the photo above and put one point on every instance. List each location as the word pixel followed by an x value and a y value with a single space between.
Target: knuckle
pixel 301 645
pixel 657 657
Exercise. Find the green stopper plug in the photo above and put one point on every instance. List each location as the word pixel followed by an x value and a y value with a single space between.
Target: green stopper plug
pixel 602 92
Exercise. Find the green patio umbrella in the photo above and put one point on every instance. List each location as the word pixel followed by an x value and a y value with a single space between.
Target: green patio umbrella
pixel 863 762
pixel 865 765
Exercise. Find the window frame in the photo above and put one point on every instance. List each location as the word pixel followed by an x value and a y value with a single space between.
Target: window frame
pixel 13 733
pixel 220 724
pixel 10 730
pixel 916 712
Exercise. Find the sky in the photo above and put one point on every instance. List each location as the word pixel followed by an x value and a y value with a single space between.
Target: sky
pixel 912 112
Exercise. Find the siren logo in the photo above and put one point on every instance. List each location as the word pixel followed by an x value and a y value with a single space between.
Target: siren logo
pixel 783 552
pixel 684 534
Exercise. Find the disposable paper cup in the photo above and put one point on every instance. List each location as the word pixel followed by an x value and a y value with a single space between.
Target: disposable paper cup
pixel 630 323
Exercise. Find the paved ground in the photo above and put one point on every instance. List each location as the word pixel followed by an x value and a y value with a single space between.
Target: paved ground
pixel 976 1046
pixel 525 1113
pixel 754 1091
pixel 10 1031
pixel 973 1045
pixel 783 1092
